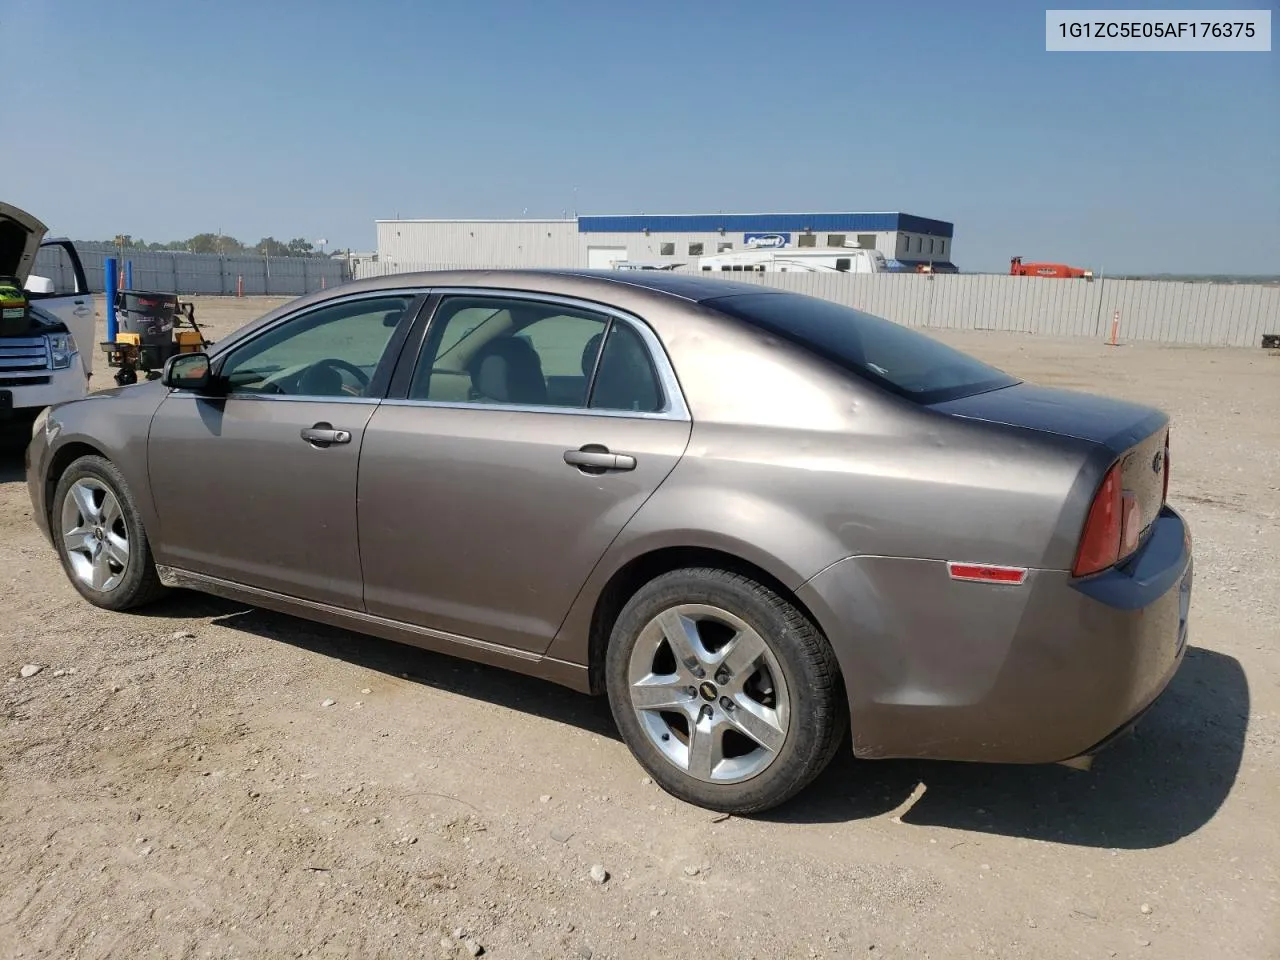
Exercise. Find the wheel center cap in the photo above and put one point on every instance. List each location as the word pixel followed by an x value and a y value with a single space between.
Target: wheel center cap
pixel 99 534
pixel 707 690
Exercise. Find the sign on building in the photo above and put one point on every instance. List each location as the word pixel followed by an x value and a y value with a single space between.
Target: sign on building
pixel 767 240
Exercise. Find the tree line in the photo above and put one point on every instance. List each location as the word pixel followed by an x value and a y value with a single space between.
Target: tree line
pixel 220 243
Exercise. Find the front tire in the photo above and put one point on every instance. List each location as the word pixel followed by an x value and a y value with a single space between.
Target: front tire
pixel 725 693
pixel 100 539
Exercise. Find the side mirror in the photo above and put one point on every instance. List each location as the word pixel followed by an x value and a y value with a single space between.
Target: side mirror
pixel 188 371
pixel 41 286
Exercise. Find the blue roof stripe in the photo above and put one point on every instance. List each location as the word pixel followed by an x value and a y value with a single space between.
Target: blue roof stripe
pixel 766 223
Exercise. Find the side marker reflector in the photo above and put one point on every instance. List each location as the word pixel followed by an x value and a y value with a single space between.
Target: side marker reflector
pixel 985 573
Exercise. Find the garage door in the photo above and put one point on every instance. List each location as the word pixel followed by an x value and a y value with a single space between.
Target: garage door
pixel 602 258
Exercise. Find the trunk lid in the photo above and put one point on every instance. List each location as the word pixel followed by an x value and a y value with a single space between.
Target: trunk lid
pixel 20 236
pixel 1134 434
pixel 1117 424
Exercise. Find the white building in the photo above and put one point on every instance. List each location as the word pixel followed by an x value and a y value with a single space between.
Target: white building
pixel 907 241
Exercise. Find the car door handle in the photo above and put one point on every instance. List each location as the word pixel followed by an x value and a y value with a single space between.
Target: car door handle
pixel 323 435
pixel 595 457
pixel 81 310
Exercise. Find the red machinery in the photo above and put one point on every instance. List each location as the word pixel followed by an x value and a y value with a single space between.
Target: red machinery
pixel 1019 269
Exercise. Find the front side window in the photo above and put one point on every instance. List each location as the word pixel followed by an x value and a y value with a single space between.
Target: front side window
pixel 54 262
pixel 888 354
pixel 333 351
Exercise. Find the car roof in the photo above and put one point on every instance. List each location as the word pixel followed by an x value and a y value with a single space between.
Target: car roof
pixel 687 286
pixel 622 287
pixel 694 287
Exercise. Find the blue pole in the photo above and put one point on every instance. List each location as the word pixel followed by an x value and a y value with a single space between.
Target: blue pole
pixel 109 272
pixel 128 274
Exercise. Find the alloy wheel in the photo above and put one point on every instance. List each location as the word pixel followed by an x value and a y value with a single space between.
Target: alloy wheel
pixel 94 535
pixel 709 693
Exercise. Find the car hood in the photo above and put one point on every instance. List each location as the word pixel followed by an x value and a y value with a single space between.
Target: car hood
pixel 20 236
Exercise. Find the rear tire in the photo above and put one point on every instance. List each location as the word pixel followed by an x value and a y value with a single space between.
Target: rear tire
pixel 725 693
pixel 99 536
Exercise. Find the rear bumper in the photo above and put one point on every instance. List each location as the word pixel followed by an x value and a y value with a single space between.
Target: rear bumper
pixel 1034 673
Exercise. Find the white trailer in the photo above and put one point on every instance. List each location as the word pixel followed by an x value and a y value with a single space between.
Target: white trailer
pixel 803 260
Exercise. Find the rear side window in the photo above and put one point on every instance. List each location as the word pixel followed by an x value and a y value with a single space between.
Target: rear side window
pixel 625 378
pixel 895 357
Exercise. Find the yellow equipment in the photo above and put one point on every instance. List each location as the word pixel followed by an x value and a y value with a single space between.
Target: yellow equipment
pixel 150 331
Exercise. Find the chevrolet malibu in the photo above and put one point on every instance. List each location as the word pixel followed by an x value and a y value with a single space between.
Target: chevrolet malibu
pixel 763 525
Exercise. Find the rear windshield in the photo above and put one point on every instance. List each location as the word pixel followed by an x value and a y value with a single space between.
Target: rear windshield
pixel 897 358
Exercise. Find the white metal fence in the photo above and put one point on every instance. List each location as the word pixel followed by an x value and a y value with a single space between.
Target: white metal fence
pixel 1222 314
pixel 196 273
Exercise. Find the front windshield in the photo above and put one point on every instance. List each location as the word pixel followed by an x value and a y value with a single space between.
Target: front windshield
pixel 902 360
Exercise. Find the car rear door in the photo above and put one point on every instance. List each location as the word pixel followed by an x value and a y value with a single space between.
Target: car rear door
pixel 258 487
pixel 498 472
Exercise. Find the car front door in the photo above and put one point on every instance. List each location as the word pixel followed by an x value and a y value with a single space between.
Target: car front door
pixel 69 299
pixel 492 483
pixel 258 486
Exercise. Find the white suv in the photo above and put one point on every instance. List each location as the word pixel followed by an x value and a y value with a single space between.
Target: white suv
pixel 48 359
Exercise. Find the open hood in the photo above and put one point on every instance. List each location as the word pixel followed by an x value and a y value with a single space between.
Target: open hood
pixel 20 236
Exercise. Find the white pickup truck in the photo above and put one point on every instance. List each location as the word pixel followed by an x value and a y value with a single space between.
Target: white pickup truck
pixel 47 357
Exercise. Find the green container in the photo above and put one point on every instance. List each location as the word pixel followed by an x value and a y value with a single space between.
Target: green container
pixel 13 310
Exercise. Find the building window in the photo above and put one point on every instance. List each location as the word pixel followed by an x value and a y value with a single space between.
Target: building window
pixel 942 248
pixel 667 249
pixel 904 243
pixel 931 246
pixel 835 239
pixel 919 244
pixel 807 240
pixel 695 249
pixel 723 246
pixel 866 241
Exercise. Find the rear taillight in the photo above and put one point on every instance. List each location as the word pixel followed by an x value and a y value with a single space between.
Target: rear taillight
pixel 1165 496
pixel 1100 541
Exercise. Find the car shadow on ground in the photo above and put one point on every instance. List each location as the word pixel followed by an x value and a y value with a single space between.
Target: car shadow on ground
pixel 478 681
pixel 1161 783
pixel 12 448
pixel 1164 781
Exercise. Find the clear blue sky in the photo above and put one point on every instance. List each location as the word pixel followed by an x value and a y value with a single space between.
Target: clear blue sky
pixel 163 119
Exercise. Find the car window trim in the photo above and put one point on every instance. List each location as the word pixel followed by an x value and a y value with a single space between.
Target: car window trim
pixel 674 407
pixel 379 383
pixel 411 350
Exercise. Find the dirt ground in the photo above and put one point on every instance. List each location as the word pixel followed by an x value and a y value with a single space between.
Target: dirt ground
pixel 172 784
